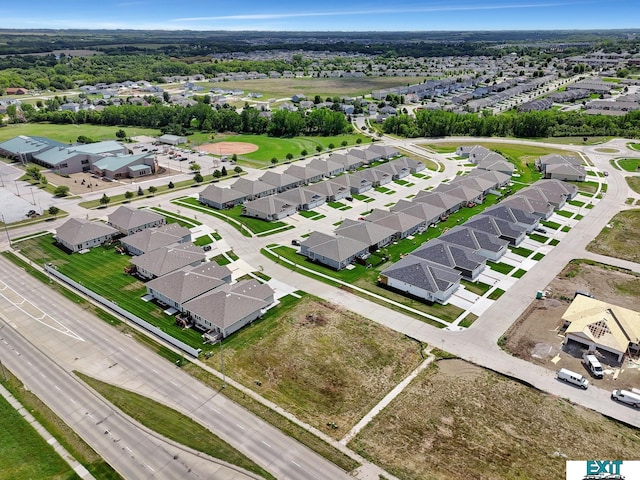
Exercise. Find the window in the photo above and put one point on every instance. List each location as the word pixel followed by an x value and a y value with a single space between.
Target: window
pixel 63 165
pixel 85 162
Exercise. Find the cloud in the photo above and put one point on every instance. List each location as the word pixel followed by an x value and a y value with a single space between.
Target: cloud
pixel 383 11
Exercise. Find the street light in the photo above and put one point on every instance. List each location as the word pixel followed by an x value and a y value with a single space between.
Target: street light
pixel 224 379
pixel 6 230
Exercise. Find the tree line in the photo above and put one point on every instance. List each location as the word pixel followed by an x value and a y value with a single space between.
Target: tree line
pixel 549 123
pixel 201 117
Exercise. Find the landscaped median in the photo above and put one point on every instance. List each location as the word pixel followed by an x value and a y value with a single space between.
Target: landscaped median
pixel 248 226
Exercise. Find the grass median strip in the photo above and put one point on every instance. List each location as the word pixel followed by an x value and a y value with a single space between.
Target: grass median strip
pixel 173 425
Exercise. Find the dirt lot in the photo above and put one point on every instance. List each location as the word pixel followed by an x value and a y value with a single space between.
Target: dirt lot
pixel 458 421
pixel 228 148
pixel 76 187
pixel 536 336
pixel 621 239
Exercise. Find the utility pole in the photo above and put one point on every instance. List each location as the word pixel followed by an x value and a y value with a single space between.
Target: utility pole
pixel 33 197
pixel 17 191
pixel 224 379
pixel 6 230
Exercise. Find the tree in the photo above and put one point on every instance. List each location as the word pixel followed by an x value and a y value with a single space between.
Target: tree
pixel 274 160
pixel 171 185
pixel 166 97
pixel 344 143
pixel 53 210
pixel 43 181
pixel 104 201
pixel 128 195
pixel 234 158
pixel 318 148
pixel 359 141
pixel 289 156
pixel 223 172
pixel 121 134
pixel 216 173
pixel 140 192
pixel 238 169
pixel 331 146
pixel 34 172
pixel 152 189
pixel 194 167
pixel 61 191
pixel 198 177
pixel 304 153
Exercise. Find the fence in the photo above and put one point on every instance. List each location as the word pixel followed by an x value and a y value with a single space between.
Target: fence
pixel 194 352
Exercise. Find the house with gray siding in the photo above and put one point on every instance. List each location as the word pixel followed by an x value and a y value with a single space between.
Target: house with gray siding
pixel 167 259
pixel 348 161
pixel 333 251
pixel 509 214
pixel 151 239
pixel 375 176
pixel 443 254
pixel 77 234
pixel 305 173
pixel 333 191
pixel 430 214
pixel 442 200
pixel 303 198
pixel 487 245
pixel 374 235
pixel 402 223
pixel 132 220
pixel 536 207
pixel 282 181
pixel 328 167
pixel 510 232
pixel 253 189
pixel 269 208
pixel 355 182
pixel 221 198
pixel 421 279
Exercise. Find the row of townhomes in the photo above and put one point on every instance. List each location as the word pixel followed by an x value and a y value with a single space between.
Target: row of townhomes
pixel 177 273
pixel 433 271
pixel 109 158
pixel 277 195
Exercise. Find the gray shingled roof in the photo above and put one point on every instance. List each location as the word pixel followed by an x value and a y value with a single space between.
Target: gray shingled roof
pixel 352 180
pixel 365 232
pixel 251 187
pixel 495 226
pixel 422 274
pixel 270 205
pixel 301 196
pixel 327 167
pixel 280 180
pixel 168 259
pixel 329 188
pixel 187 284
pixel 76 231
pixel 153 238
pixel 221 195
pixel 437 199
pixel 398 221
pixel 528 205
pixel 424 211
pixel 449 255
pixel 127 218
pixel 473 239
pixel 512 214
pixel 336 248
pixel 305 173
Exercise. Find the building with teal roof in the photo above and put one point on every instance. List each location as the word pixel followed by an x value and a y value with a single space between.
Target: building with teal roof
pixel 125 166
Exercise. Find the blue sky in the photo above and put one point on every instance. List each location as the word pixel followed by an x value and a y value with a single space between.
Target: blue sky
pixel 338 15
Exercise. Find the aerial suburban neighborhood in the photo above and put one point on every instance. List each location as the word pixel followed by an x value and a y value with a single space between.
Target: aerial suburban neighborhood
pixel 319 255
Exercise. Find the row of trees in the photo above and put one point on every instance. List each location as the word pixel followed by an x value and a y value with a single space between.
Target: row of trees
pixel 201 117
pixel 550 123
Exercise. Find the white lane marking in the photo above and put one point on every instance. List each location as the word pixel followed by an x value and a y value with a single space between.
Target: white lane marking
pixel 42 375
pixel 240 426
pixel 29 363
pixel 128 449
pixel 215 410
pixel 266 443
pixel 149 467
pixel 72 401
pixel 296 464
pixel 57 387
pixel 155 371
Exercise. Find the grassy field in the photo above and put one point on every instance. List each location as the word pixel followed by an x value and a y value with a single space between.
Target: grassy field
pixel 278 148
pixel 101 270
pixel 320 362
pixel 428 163
pixel 622 240
pixel 32 458
pixel 173 425
pixel 69 133
pixel 457 420
pixel 629 164
pixel 24 453
pixel 325 87
pixel 634 183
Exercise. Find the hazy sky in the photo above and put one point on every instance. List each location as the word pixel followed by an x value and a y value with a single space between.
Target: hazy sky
pixel 325 15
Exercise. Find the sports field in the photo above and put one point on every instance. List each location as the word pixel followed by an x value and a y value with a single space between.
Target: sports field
pixel 70 133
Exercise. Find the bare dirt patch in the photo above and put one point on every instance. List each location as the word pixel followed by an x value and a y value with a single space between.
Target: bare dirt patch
pixel 320 362
pixel 228 148
pixel 537 335
pixel 480 425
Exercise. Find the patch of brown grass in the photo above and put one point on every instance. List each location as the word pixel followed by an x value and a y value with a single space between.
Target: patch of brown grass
pixel 322 363
pixel 622 240
pixel 460 421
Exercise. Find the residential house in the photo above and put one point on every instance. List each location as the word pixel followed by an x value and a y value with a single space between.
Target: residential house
pixel 374 235
pixel 305 173
pixel 397 171
pixel 414 166
pixel 402 223
pixel 472 152
pixel 430 214
pixel 227 309
pixel 328 167
pixel 366 155
pixel 333 191
pixel 221 197
pixel 456 257
pixel 348 161
pixel 303 198
pixel 176 288
pixel 536 207
pixel 377 177
pixel 384 151
pixel 510 232
pixel 600 325
pixel 443 200
pixel 269 208
pixel 355 182
pixel 131 220
pixel 553 188
pixel 468 196
pixel 334 251
pixel 151 239
pixel 77 234
pixel 282 181
pixel 487 245
pixel 491 164
pixel 167 259
pixel 421 279
pixel 523 219
pixel 253 189
pixel 499 179
pixel 565 172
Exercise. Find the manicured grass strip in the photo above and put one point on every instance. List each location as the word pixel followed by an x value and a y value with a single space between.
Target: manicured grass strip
pixel 519 273
pixel 538 256
pixel 576 203
pixel 184 221
pixel 551 225
pixel 554 242
pixel 523 252
pixel 337 205
pixel 307 213
pixel 500 267
pixel 23 452
pixel 382 189
pixel 173 425
pixel 566 229
pixel 478 288
pixel 578 217
pixel 629 164
pixel 496 294
pixel 221 260
pixel 320 217
pixel 361 197
pixel 203 240
pixel 538 238
pixel 564 213
pixel 467 321
pixel 67 437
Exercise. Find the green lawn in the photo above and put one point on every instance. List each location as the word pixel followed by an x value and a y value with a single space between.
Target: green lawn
pixel 203 240
pixel 554 242
pixel 102 271
pixel 564 213
pixel 307 213
pixel 523 252
pixel 519 273
pixel 70 133
pixel 496 294
pixel 551 225
pixel 538 238
pixel 24 453
pixel 274 147
pixel 500 267
pixel 538 256
pixel 173 425
pixel 634 183
pixel 629 164
pixel 478 288
pixel 576 203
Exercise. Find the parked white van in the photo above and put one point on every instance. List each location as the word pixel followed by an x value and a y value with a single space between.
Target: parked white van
pixel 593 365
pixel 572 377
pixel 625 396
